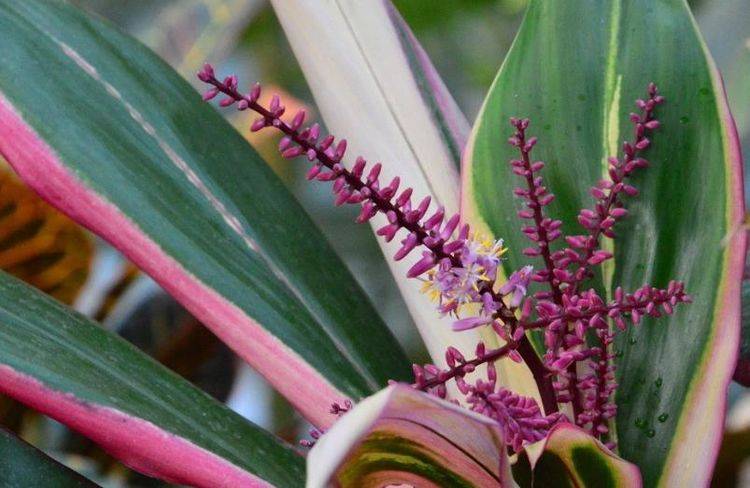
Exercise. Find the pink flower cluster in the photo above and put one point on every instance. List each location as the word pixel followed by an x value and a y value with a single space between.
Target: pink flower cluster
pixel 460 269
pixel 520 417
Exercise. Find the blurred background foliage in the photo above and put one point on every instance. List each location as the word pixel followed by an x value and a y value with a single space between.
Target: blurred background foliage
pixel 466 39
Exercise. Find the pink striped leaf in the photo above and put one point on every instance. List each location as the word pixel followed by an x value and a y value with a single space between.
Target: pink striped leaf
pixel 401 436
pixel 571 457
pixel 575 70
pixel 112 136
pixel 69 368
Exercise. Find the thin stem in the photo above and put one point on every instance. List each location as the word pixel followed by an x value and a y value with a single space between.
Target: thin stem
pixel 468 366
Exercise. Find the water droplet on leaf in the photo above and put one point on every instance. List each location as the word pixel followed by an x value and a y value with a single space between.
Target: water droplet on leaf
pixel 640 423
pixel 658 382
pixel 663 417
pixel 650 433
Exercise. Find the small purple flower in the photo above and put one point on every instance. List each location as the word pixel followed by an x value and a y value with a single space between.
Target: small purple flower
pixel 517 285
pixel 471 322
pixel 455 287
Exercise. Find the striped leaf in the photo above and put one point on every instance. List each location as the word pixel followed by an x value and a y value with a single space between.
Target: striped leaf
pixel 65 366
pixel 105 131
pixel 400 436
pixel 577 85
pixel 569 457
pixel 726 26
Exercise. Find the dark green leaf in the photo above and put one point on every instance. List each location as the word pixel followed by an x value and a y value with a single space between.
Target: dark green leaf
pixel 575 69
pixel 123 144
pixel 22 465
pixel 67 367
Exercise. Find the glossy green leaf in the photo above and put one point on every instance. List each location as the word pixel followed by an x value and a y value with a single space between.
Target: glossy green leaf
pixel 105 131
pixel 577 84
pixel 58 362
pixel 21 464
pixel 569 457
pixel 726 26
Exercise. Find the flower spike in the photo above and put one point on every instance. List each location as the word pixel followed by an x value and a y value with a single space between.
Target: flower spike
pixel 460 271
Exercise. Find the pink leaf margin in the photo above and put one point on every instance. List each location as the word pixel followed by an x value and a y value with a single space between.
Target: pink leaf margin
pixel 689 462
pixel 42 170
pixel 136 442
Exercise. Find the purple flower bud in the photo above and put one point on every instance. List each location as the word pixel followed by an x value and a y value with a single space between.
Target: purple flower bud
pixel 423 265
pixel 340 150
pixel 470 323
pixel 642 144
pixel 292 152
pixel 207 73
pixel 313 171
pixel 210 94
pixel 284 143
pixel 388 231
pixel 368 211
pixel 374 173
pixel 275 104
pixel 325 143
pixel 408 245
pixel 258 124
pixel 255 92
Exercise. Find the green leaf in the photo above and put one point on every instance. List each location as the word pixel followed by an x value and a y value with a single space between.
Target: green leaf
pixel 105 131
pixel 575 69
pixel 570 457
pixel 401 436
pixel 21 464
pixel 58 362
pixel 726 26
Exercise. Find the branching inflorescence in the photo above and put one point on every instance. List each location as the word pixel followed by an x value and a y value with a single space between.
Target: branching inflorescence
pixel 459 269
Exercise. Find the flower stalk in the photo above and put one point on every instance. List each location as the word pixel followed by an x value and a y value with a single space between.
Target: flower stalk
pixel 434 234
pixel 460 270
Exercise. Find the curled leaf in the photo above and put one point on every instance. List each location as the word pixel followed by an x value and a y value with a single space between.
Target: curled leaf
pixel 570 457
pixel 402 436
